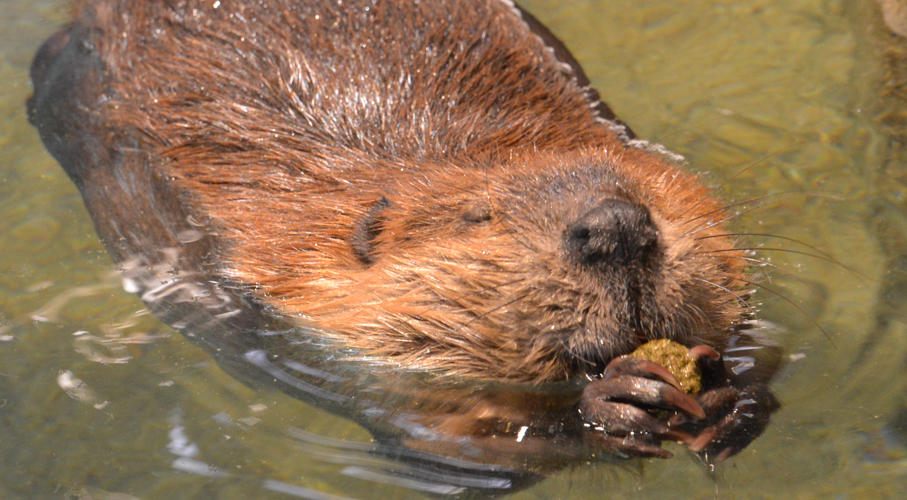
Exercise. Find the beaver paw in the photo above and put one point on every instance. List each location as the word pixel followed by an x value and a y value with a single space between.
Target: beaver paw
pixel 734 418
pixel 619 407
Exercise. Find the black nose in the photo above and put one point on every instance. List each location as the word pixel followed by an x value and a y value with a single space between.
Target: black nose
pixel 615 232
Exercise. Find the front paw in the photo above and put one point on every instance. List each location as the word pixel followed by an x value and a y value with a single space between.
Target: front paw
pixel 621 408
pixel 735 417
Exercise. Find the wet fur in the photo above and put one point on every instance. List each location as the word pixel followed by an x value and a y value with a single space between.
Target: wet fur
pixel 283 124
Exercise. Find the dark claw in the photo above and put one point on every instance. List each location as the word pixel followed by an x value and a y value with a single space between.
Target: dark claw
pixel 724 419
pixel 616 407
pixel 704 351
pixel 621 419
pixel 703 439
pixel 725 454
pixel 638 390
pixel 715 403
pixel 625 365
pixel 736 418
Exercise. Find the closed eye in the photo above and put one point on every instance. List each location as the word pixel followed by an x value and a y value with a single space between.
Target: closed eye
pixel 367 229
pixel 477 212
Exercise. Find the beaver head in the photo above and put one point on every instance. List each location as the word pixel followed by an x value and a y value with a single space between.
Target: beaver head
pixel 544 266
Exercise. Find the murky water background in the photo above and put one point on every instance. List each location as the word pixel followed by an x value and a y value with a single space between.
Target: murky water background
pixel 798 101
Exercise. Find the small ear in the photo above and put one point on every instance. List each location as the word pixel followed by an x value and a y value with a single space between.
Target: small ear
pixel 367 229
pixel 479 211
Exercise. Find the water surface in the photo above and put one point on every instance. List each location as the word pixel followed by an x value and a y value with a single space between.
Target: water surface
pixel 799 103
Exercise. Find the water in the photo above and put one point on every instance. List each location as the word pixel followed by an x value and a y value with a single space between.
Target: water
pixel 800 100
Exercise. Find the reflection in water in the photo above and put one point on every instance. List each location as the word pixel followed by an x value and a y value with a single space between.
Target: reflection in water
pixel 187 451
pixel 431 436
pixel 293 361
pixel 79 390
pixel 266 352
pixel 297 491
pixel 110 348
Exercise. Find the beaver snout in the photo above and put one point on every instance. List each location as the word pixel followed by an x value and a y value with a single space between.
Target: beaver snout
pixel 613 233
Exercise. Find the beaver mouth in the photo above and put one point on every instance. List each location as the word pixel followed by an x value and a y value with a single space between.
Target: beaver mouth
pixel 617 243
pixel 590 352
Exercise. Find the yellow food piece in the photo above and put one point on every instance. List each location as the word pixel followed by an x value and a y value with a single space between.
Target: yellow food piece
pixel 676 359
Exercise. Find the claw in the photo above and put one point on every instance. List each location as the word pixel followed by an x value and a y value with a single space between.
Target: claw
pixel 642 390
pixel 737 415
pixel 626 365
pixel 704 351
pixel 716 425
pixel 724 454
pixel 677 399
pixel 715 434
pixel 703 439
pixel 621 418
pixel 715 403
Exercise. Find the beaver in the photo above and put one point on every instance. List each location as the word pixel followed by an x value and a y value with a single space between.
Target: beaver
pixel 429 185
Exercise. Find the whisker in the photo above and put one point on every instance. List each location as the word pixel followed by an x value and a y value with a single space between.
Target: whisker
pixel 729 206
pixel 714 223
pixel 517 235
pixel 740 299
pixel 494 309
pixel 748 166
pixel 776 270
pixel 582 359
pixel 794 305
pixel 752 260
pixel 697 317
pixel 769 235
pixel 760 199
pixel 728 218
pixel 819 256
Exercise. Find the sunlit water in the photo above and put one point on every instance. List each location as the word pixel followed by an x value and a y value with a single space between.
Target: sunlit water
pixel 797 101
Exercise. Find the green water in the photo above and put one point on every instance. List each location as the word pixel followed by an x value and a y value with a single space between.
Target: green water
pixel 797 100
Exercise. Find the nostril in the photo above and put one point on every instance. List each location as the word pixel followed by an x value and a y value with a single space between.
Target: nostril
pixel 613 232
pixel 580 236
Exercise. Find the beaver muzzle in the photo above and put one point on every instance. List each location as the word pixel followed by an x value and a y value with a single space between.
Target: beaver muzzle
pixel 615 233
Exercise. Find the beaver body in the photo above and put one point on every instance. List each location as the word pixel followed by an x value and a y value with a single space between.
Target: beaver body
pixel 431 183
pixel 428 185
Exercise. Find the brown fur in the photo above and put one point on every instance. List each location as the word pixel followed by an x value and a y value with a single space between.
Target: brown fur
pixel 285 123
